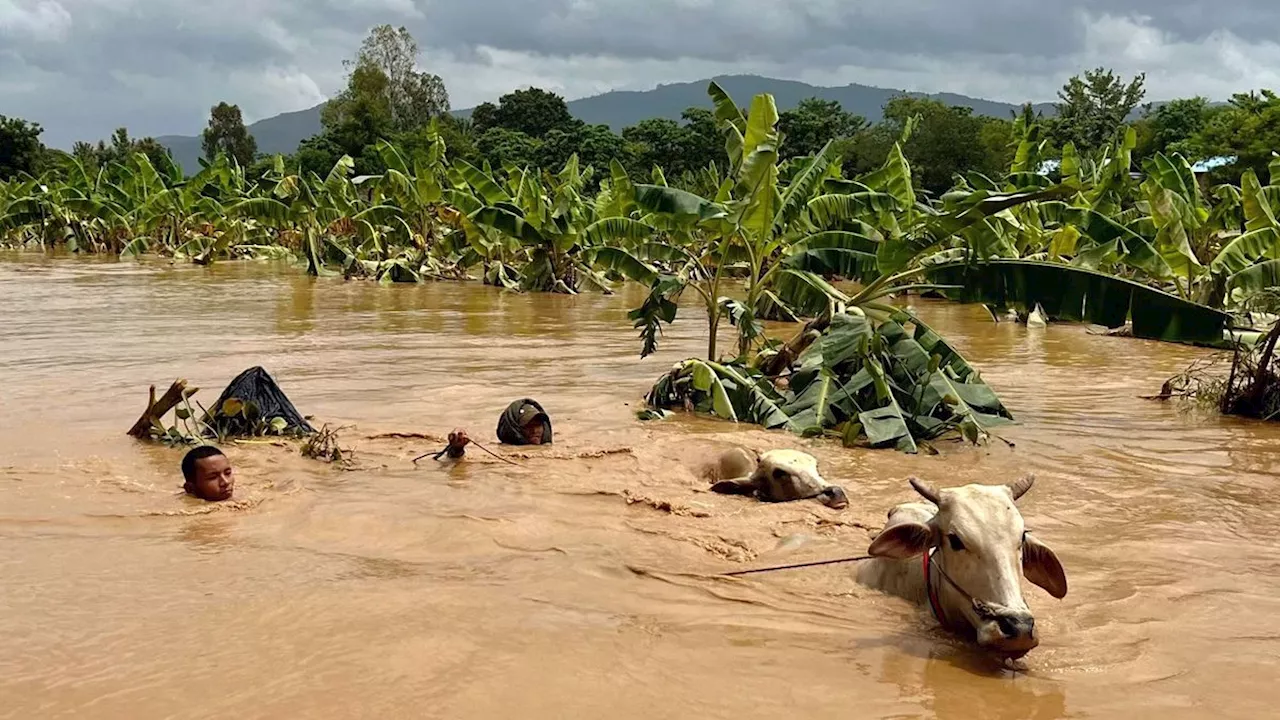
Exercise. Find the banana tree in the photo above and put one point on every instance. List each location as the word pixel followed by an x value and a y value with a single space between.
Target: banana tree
pixel 740 235
pixel 883 383
pixel 544 224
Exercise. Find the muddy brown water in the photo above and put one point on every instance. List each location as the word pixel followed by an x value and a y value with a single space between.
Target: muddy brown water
pixel 575 585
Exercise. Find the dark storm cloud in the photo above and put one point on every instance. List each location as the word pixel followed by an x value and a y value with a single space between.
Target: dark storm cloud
pixel 774 29
pixel 82 67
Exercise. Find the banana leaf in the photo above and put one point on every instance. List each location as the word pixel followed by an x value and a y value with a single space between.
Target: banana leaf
pixel 1072 293
pixel 861 379
pixel 803 186
pixel 1247 249
pixel 1256 277
pixel 895 255
pixel 802 292
pixel 671 201
pixel 620 261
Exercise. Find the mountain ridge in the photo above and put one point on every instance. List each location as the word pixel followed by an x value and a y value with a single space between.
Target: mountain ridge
pixel 620 108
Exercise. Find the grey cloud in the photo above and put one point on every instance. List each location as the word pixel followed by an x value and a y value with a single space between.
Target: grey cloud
pixel 82 67
pixel 777 30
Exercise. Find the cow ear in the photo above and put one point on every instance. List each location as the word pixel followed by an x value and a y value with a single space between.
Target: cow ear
pixel 902 541
pixel 1040 565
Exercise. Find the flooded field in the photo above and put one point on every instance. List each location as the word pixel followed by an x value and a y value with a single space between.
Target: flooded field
pixel 576 584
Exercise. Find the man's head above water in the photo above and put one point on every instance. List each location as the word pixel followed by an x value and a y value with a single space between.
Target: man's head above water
pixel 207 474
pixel 524 422
pixel 532 424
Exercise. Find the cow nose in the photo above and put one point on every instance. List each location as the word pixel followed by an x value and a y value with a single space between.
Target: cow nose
pixel 1014 626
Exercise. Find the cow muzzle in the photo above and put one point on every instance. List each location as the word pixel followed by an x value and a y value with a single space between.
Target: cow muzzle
pixel 1005 631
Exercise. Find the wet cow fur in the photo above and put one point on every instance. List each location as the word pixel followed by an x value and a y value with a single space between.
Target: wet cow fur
pixel 982 545
pixel 775 476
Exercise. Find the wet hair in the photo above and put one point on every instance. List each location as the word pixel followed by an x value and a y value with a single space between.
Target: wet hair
pixel 200 453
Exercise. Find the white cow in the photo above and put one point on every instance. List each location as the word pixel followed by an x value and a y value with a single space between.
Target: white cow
pixel 775 476
pixel 962 553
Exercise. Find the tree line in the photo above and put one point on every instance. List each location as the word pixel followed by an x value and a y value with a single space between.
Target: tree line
pixel 388 98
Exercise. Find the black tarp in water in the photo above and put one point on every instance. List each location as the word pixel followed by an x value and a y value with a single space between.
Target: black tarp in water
pixel 264 400
pixel 509 428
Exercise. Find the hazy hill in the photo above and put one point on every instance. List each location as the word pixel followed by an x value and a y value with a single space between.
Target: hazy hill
pixel 279 134
pixel 620 108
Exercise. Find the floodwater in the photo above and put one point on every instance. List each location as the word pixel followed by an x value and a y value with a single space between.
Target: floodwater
pixel 575 584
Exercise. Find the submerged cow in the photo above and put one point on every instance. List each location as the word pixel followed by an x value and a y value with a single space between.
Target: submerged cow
pixel 775 476
pixel 962 554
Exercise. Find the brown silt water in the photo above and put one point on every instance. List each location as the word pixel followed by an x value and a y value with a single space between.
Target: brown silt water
pixel 579 583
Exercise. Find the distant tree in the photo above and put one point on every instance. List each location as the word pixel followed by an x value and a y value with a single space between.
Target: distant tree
pixel 358 119
pixel 412 96
pixel 158 154
pixel 120 150
pixel 20 148
pixel 316 154
pixel 947 141
pixel 534 112
pixel 226 133
pixel 459 135
pixel 1171 127
pixel 705 144
pixel 85 153
pixel 998 147
pixel 867 150
pixel 484 117
pixel 815 121
pixel 1094 108
pixel 658 141
pixel 595 145
pixel 501 146
pixel 1248 127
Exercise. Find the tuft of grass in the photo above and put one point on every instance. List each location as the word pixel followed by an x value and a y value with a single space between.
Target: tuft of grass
pixel 323 446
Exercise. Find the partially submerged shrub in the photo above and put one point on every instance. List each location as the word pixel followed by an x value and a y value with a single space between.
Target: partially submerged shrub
pixel 894 383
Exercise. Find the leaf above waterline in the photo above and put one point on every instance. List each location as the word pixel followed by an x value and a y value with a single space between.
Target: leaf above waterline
pixel 1073 293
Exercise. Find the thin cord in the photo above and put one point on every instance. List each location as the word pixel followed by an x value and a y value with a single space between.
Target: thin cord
pixel 799 565
pixel 509 462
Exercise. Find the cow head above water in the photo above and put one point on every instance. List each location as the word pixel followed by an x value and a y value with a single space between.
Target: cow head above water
pixel 776 476
pixel 982 548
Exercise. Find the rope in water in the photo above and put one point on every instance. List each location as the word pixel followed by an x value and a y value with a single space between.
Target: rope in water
pixel 798 565
pixel 505 460
pixel 436 456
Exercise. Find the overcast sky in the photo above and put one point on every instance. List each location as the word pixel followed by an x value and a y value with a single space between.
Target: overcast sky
pixel 84 67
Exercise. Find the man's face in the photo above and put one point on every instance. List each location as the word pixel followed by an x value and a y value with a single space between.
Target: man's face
pixel 533 432
pixel 214 478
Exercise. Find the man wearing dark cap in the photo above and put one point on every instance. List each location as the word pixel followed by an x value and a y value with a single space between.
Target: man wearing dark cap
pixel 524 422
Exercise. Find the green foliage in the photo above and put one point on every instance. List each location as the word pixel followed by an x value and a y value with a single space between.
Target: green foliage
pixel 120 150
pixel 946 141
pixel 594 145
pixel 532 111
pixel 1173 127
pixel 1248 128
pixel 409 97
pixel 891 382
pixel 227 134
pixel 813 123
pixel 503 147
pixel 718 207
pixel 1078 294
pixel 1094 106
pixel 21 151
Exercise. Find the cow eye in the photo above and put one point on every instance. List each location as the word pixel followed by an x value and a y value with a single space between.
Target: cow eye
pixel 955 542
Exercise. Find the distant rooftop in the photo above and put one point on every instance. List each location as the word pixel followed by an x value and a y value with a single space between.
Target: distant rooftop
pixel 1049 167
pixel 1212 163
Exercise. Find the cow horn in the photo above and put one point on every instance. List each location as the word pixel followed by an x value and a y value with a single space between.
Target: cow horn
pixel 925 489
pixel 1020 486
